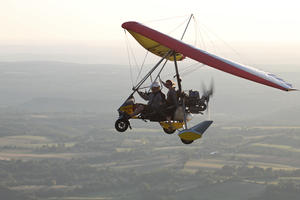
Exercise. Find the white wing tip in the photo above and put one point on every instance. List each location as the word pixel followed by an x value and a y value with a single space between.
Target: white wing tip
pixel 292 89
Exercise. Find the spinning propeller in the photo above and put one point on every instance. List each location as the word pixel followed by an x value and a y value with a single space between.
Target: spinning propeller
pixel 207 93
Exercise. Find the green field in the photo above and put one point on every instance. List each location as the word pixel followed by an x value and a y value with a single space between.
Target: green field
pixel 81 160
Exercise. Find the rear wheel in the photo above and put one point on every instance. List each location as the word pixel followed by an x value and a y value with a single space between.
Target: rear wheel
pixel 187 141
pixel 121 125
pixel 203 107
pixel 169 131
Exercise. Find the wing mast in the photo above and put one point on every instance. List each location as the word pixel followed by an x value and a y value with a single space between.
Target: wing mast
pixel 178 77
pixel 175 61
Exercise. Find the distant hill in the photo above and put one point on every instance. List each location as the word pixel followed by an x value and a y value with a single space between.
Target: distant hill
pixel 60 105
pixel 61 87
pixel 283 117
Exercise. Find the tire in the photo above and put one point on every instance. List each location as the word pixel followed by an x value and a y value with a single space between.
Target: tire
pixel 203 107
pixel 169 131
pixel 121 125
pixel 187 141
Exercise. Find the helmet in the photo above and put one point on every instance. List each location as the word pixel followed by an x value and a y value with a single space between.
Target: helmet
pixel 155 85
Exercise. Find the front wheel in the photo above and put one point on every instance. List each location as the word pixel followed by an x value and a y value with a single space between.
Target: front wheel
pixel 121 125
pixel 169 131
pixel 187 141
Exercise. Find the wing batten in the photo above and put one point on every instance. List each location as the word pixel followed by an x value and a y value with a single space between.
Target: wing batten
pixel 206 58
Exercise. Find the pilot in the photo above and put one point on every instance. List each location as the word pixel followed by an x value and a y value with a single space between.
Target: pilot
pixel 156 101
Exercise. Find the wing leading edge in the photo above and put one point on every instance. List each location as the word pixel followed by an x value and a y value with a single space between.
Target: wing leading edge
pixel 209 59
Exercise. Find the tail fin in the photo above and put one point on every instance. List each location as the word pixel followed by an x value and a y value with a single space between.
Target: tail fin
pixel 195 132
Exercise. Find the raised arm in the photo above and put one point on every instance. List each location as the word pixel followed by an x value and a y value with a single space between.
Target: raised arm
pixel 144 95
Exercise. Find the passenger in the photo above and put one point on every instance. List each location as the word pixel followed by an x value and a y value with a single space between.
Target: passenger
pixel 156 101
pixel 172 100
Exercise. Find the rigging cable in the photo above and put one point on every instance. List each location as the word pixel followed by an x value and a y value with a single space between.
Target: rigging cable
pixel 131 51
pixel 198 31
pixel 195 29
pixel 130 48
pixel 213 45
pixel 228 45
pixel 189 70
pixel 140 71
pixel 164 19
pixel 128 55
pixel 158 75
pixel 177 27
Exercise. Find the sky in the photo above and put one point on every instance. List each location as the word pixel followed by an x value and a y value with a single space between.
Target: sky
pixel 89 31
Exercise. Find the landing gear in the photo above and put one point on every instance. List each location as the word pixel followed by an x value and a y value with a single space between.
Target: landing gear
pixel 121 125
pixel 187 141
pixel 169 131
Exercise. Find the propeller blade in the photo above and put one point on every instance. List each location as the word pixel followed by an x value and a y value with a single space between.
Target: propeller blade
pixel 207 93
pixel 211 88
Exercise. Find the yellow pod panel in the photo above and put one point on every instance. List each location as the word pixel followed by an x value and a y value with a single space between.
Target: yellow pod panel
pixel 176 125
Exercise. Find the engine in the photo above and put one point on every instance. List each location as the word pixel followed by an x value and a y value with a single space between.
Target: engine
pixel 194 104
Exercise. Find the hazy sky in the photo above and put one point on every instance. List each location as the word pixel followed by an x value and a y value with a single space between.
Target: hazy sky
pixel 90 30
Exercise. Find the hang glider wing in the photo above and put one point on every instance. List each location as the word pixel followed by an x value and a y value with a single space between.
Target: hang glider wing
pixel 159 44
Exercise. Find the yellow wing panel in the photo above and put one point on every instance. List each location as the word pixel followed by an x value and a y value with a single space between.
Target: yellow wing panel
pixel 154 47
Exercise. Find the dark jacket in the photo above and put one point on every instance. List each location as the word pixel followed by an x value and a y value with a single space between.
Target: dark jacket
pixel 172 98
pixel 155 100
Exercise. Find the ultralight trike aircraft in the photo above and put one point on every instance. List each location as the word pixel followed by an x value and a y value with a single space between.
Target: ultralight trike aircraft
pixel 170 49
